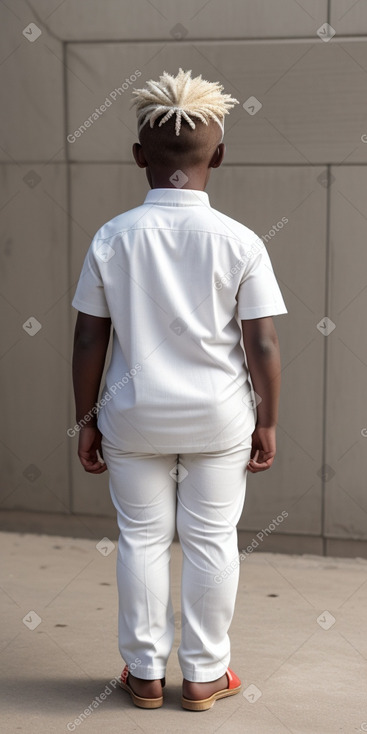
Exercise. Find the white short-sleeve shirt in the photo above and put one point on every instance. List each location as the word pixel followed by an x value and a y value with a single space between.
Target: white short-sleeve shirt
pixel 176 277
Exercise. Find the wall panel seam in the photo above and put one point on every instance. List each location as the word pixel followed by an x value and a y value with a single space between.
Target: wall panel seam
pixel 68 265
pixel 235 41
pixel 325 367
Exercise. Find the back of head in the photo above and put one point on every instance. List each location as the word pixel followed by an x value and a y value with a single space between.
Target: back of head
pixel 184 109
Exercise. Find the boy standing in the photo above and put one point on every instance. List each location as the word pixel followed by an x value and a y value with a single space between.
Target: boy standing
pixel 179 282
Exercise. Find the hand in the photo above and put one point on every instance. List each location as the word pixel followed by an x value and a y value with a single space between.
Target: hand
pixel 263 449
pixel 89 443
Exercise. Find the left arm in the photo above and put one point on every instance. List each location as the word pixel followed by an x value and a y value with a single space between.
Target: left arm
pixel 91 338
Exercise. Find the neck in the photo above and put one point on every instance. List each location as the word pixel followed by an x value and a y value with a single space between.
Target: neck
pixel 196 179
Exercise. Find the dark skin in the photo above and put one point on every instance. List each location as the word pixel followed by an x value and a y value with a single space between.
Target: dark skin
pixel 91 338
pixel 260 339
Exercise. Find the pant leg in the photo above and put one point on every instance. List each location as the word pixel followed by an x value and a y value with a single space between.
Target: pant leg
pixel 210 501
pixel 144 495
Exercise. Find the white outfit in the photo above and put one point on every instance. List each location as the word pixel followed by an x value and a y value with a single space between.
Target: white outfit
pixel 176 277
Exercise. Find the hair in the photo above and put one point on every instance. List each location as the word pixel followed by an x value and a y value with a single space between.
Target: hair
pixel 184 96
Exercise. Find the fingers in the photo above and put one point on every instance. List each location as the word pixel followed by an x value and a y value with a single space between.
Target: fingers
pixel 256 466
pixel 265 461
pixel 90 451
pixel 93 466
pixel 96 468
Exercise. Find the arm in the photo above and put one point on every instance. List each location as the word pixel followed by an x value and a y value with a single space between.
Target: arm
pixel 91 338
pixel 263 358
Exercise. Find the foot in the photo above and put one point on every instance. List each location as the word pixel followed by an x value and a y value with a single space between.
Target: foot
pixel 196 691
pixel 145 688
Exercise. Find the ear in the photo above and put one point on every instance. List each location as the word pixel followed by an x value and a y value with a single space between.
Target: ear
pixel 139 155
pixel 218 156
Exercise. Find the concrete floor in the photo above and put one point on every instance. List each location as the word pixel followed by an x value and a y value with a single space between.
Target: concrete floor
pixel 299 644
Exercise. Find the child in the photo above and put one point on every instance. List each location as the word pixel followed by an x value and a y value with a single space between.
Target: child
pixel 177 279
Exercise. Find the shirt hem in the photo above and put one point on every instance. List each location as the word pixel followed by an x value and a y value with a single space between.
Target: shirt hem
pixel 260 312
pixel 194 448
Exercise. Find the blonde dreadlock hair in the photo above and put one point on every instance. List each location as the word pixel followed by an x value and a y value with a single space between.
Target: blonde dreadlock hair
pixel 185 96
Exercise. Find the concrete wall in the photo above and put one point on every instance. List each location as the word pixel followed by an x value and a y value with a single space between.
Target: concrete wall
pixel 302 156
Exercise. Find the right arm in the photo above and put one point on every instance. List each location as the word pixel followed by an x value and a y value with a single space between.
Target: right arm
pixel 263 359
pixel 91 338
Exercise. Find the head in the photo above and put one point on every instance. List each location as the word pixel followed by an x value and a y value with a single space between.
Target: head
pixel 180 127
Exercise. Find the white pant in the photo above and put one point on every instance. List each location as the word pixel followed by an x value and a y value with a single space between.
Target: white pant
pixel 210 499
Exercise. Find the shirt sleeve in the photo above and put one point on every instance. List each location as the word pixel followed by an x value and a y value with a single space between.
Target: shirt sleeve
pixel 259 294
pixel 90 295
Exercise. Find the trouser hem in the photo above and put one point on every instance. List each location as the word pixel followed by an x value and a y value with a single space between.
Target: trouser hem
pixel 147 672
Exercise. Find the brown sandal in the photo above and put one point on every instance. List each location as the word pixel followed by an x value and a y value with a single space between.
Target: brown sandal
pixel 143 703
pixel 202 704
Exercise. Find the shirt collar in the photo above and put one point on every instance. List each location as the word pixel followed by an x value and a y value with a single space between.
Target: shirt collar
pixel 177 197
